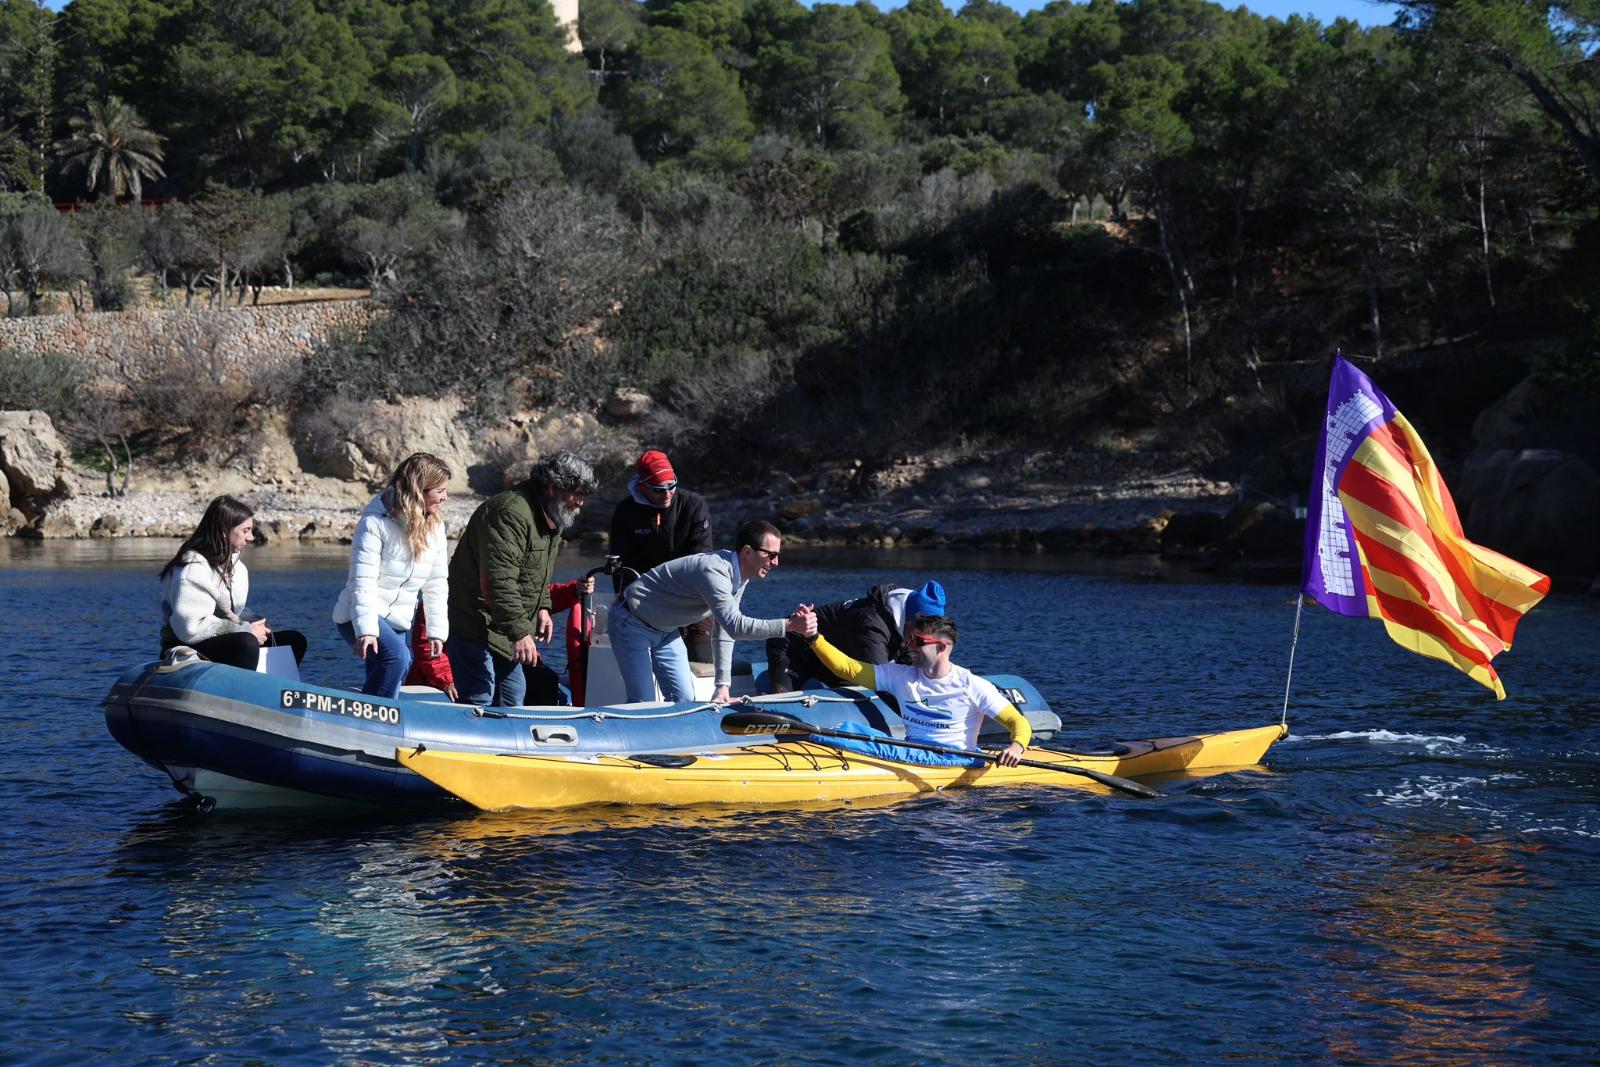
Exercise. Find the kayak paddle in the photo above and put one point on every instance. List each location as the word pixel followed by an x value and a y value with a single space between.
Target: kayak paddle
pixel 771 722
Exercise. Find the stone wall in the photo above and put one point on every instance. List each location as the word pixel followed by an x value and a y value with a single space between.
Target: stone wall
pixel 265 337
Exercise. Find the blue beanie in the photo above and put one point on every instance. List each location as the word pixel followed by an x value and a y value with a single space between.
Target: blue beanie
pixel 928 600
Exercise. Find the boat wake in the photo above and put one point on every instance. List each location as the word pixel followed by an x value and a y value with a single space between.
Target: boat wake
pixel 1433 744
pixel 1479 796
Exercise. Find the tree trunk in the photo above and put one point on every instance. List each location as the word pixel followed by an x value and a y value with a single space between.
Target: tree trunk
pixel 1583 141
pixel 114 466
pixel 1180 285
pixel 111 466
pixel 1241 201
pixel 43 93
pixel 1372 302
pixel 1483 228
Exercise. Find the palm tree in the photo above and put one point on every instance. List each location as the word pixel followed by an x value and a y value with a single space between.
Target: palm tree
pixel 115 146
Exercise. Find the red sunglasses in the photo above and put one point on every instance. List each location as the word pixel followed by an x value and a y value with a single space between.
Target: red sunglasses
pixel 918 641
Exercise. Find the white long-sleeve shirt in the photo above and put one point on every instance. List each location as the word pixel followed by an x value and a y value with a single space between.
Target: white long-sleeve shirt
pixel 385 578
pixel 197 603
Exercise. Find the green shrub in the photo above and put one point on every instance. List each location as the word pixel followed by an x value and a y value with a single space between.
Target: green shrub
pixel 49 382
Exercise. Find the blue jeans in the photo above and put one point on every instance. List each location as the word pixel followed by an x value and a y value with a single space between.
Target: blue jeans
pixel 645 655
pixel 483 678
pixel 388 666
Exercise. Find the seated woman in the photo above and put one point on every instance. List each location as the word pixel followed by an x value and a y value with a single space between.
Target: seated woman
pixel 398 550
pixel 204 588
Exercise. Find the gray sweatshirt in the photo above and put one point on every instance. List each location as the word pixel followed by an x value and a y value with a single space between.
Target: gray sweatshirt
pixel 687 589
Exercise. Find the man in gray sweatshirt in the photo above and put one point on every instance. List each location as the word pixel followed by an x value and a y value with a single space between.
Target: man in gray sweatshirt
pixel 644 626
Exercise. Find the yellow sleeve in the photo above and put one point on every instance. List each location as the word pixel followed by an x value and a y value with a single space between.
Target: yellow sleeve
pixel 1015 722
pixel 842 665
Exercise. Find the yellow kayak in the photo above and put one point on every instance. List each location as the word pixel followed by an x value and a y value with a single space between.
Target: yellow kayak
pixel 789 772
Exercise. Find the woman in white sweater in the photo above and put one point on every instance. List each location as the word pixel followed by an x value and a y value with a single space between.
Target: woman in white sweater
pixel 204 587
pixel 398 551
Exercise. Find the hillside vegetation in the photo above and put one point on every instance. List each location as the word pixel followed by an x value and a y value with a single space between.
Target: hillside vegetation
pixel 837 231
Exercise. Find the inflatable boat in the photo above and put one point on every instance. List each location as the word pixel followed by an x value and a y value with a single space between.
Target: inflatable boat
pixel 232 738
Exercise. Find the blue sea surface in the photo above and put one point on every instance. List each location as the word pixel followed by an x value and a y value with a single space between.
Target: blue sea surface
pixel 1413 875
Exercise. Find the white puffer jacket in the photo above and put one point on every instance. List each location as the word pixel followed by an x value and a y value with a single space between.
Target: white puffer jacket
pixel 385 579
pixel 197 604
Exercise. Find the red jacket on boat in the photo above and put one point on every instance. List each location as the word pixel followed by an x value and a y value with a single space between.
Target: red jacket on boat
pixel 564 596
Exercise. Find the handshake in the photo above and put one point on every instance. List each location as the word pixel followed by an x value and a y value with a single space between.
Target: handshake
pixel 802 621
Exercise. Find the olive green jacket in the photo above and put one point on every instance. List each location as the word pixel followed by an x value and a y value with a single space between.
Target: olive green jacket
pixel 500 572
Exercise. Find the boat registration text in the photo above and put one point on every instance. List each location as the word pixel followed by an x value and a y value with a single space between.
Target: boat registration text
pixel 354 709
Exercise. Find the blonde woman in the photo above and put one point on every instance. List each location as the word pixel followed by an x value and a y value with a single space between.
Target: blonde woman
pixel 398 551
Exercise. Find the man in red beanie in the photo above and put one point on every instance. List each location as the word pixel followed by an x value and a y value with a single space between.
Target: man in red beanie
pixel 658 521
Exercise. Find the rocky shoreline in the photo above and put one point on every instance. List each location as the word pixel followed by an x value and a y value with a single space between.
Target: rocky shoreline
pixel 1102 504
pixel 1080 514
pixel 1113 509
pixel 1045 501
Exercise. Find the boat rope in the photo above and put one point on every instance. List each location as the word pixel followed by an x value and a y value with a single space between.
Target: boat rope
pixel 805 700
pixel 588 713
pixel 598 715
pixel 1299 606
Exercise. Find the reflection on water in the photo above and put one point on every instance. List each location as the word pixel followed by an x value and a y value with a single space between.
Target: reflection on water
pixel 136 552
pixel 445 936
pixel 1422 942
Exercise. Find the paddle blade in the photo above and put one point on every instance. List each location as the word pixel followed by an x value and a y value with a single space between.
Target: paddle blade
pixel 1123 785
pixel 764 722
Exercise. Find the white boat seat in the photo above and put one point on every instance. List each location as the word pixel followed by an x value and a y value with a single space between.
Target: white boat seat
pixel 707 670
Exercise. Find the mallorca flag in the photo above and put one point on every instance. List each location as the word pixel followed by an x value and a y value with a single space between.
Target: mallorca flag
pixel 1383 540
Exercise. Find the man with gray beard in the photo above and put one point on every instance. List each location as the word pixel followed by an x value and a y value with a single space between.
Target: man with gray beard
pixel 500 579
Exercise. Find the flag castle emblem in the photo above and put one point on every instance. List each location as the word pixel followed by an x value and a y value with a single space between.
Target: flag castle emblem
pixel 1383 540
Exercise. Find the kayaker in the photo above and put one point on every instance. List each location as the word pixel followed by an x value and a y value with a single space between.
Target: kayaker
pixel 397 552
pixel 500 579
pixel 204 588
pixel 660 520
pixel 941 703
pixel 644 625
pixel 870 628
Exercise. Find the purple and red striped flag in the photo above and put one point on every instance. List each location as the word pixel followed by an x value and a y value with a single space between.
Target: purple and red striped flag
pixel 1383 540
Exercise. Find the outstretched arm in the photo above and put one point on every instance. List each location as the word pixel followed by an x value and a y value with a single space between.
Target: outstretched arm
pixel 850 670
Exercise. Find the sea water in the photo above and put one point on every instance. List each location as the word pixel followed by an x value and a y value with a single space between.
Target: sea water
pixel 1413 874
